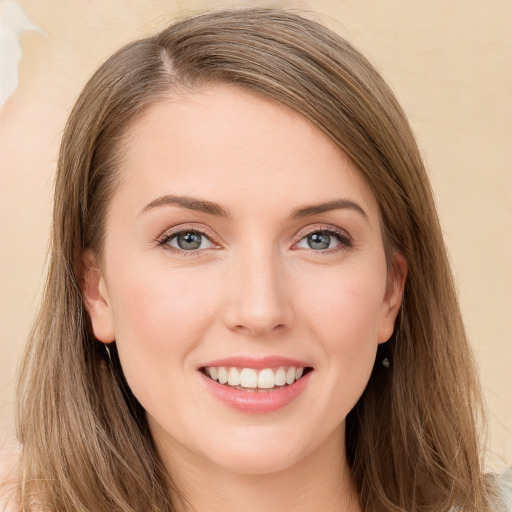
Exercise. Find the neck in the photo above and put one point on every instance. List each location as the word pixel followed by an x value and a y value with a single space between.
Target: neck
pixel 319 481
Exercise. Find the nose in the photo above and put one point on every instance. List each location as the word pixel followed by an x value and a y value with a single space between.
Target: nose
pixel 259 295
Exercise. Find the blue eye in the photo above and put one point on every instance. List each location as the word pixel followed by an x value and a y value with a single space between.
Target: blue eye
pixel 188 241
pixel 323 240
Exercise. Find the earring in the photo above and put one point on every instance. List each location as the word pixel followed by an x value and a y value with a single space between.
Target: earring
pixel 383 355
pixel 107 350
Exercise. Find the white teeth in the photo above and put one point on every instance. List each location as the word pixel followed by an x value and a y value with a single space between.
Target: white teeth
pixel 280 377
pixel 223 375
pixel 214 374
pixel 290 375
pixel 266 379
pixel 250 378
pixel 234 377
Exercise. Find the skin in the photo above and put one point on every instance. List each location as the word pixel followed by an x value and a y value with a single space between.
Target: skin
pixel 255 287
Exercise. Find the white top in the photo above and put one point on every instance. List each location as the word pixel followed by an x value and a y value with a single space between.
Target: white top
pixel 504 482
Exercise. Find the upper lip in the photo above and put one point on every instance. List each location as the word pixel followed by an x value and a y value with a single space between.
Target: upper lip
pixel 257 363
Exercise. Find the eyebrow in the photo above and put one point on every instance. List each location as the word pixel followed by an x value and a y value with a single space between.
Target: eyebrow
pixel 191 203
pixel 217 210
pixel 338 204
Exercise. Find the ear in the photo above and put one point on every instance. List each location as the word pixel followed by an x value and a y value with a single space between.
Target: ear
pixel 393 298
pixel 96 299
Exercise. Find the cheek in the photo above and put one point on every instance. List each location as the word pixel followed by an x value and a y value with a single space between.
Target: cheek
pixel 347 304
pixel 160 317
pixel 155 307
pixel 345 317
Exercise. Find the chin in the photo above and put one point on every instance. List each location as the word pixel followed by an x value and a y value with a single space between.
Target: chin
pixel 266 462
pixel 259 454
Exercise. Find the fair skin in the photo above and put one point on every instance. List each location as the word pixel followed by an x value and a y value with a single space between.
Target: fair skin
pixel 250 280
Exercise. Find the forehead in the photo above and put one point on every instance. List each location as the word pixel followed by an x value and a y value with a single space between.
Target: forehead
pixel 226 143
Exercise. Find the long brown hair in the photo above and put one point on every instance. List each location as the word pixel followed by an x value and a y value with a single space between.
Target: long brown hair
pixel 412 439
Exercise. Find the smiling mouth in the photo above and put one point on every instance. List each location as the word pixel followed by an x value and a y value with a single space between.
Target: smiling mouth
pixel 249 379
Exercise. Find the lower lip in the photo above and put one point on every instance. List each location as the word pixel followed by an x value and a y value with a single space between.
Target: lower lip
pixel 257 401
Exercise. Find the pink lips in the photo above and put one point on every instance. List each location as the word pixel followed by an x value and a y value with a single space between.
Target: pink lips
pixel 259 401
pixel 257 363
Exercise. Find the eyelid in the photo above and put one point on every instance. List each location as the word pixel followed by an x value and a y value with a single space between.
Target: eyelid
pixel 344 237
pixel 180 228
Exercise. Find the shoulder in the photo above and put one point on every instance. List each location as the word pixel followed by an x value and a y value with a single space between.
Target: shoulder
pixel 8 477
pixel 503 484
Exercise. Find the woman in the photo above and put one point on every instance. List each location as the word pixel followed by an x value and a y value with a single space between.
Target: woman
pixel 249 304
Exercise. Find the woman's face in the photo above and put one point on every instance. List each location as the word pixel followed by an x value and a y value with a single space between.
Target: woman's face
pixel 241 244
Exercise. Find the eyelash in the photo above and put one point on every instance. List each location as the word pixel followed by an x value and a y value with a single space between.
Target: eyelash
pixel 345 242
pixel 164 240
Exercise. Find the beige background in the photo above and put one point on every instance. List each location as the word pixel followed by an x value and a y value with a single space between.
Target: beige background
pixel 450 63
